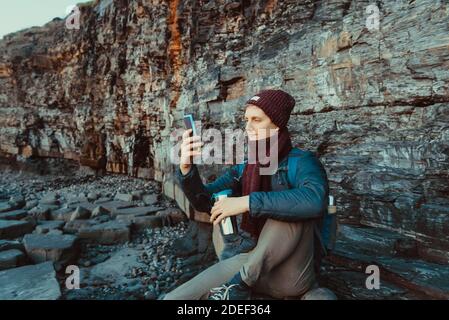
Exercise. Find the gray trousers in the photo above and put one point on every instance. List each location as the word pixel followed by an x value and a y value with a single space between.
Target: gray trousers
pixel 281 265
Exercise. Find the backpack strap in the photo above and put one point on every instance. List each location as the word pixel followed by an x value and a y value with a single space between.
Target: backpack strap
pixel 292 168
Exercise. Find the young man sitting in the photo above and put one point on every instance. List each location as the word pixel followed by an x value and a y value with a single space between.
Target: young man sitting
pixel 273 253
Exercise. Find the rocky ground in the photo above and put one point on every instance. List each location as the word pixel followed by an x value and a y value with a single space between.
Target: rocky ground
pixel 122 233
pixel 130 241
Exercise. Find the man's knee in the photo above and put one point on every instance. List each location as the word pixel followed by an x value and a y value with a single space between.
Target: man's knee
pixel 276 243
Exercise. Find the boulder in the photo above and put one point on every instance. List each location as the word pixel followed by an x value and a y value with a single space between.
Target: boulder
pixel 85 205
pixel 11 258
pixel 137 194
pixel 102 200
pixel 46 226
pixel 11 244
pixel 91 196
pixel 98 211
pixel 63 214
pixel 171 216
pixel 30 204
pixel 115 205
pixel 7 206
pixel 319 294
pixel 43 211
pixel 10 229
pixel 111 232
pixel 140 223
pixel 51 247
pixel 17 201
pixel 34 282
pixel 136 211
pixel 124 197
pixel 150 199
pixel 75 225
pixel 115 269
pixel 50 198
pixel 13 215
pixel 80 213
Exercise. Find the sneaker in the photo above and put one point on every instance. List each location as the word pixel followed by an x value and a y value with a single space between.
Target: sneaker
pixel 235 289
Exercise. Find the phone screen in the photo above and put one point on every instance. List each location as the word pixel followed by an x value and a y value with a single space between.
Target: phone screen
pixel 190 123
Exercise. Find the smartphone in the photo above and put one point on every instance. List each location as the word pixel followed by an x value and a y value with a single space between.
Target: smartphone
pixel 190 123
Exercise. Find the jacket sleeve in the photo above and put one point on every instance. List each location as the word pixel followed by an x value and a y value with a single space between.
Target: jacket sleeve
pixel 306 201
pixel 199 194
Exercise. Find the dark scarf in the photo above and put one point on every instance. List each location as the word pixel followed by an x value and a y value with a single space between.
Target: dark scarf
pixel 253 181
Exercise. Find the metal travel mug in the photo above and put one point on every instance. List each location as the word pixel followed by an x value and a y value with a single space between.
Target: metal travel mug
pixel 228 225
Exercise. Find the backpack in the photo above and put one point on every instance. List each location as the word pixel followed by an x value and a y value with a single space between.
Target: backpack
pixel 326 230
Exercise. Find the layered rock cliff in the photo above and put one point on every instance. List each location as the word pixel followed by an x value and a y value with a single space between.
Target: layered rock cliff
pixel 373 104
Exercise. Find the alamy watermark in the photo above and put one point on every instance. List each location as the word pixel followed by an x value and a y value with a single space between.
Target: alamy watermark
pixel 73 19
pixel 373 280
pixel 73 280
pixel 252 151
pixel 372 22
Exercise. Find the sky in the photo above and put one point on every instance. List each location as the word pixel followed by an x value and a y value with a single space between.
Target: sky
pixel 16 15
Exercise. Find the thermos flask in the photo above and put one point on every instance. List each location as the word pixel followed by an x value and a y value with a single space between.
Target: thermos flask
pixel 228 225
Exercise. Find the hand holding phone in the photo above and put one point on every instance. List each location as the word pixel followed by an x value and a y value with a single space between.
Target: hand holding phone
pixel 191 144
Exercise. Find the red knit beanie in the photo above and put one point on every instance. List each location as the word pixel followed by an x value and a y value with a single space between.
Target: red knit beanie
pixel 276 104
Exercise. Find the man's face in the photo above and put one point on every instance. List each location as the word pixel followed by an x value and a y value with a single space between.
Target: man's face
pixel 258 124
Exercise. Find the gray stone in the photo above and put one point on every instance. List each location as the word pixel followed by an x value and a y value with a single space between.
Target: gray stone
pixel 85 205
pixel 63 214
pixel 13 215
pixel 31 204
pixel 73 199
pixel 319 294
pixel 137 194
pixel 124 197
pixel 140 223
pixel 150 294
pixel 51 247
pixel 46 226
pixel 73 227
pixel 171 216
pixel 115 205
pixel 43 211
pixel 98 211
pixel 11 244
pixel 111 232
pixel 115 269
pixel 34 282
pixel 51 198
pixel 18 201
pixel 51 195
pixel 102 200
pixel 80 213
pixel 91 196
pixel 6 206
pixel 136 211
pixel 10 229
pixel 150 199
pixel 55 232
pixel 11 259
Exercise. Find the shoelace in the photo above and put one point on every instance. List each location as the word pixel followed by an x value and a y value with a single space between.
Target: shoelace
pixel 218 294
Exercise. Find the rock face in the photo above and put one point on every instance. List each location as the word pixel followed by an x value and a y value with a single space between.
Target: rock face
pixel 372 103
